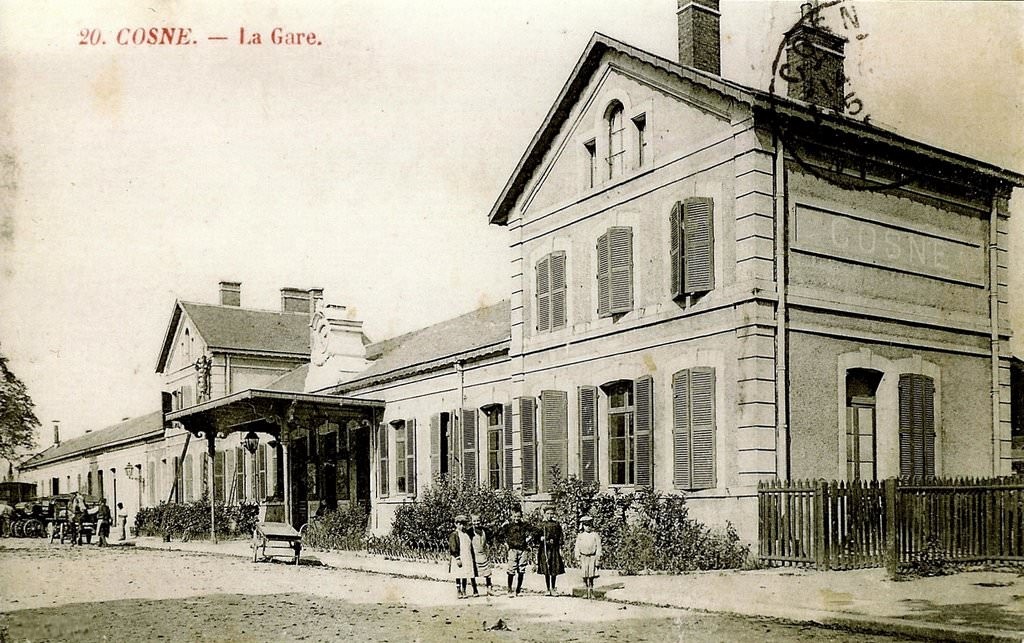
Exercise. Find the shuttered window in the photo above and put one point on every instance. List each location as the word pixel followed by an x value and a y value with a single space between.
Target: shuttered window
pixel 187 477
pixel 435 446
pixel 621 433
pixel 240 473
pixel 554 429
pixel 693 428
pixel 401 462
pixel 495 444
pixel 698 242
pixel 218 475
pixel 528 435
pixel 643 391
pixel 551 292
pixel 507 448
pixel 917 426
pixel 469 442
pixel 410 456
pixel 615 271
pixel 588 433
pixel 382 458
pixel 261 472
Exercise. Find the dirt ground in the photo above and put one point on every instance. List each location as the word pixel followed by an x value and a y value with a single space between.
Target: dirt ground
pixel 58 593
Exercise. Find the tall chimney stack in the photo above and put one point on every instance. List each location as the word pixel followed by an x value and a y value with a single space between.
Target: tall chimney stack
pixel 230 293
pixel 814 62
pixel 294 300
pixel 316 295
pixel 700 38
pixel 56 433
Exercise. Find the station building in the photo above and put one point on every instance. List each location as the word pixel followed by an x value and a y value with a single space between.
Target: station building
pixel 711 286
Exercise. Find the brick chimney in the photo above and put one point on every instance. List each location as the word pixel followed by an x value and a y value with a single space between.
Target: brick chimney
pixel 814 62
pixel 56 433
pixel 316 295
pixel 230 293
pixel 294 300
pixel 700 35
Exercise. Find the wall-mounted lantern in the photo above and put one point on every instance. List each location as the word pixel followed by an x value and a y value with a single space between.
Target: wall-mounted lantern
pixel 251 441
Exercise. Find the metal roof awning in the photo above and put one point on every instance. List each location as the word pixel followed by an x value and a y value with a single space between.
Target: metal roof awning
pixel 273 412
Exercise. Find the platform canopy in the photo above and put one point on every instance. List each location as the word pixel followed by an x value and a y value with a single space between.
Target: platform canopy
pixel 275 412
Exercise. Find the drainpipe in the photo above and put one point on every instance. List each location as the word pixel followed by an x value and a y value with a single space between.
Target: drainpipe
pixel 781 314
pixel 993 306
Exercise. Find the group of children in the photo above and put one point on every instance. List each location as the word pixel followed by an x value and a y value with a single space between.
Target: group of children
pixel 467 545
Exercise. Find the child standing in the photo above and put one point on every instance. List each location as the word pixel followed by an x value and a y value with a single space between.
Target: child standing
pixel 462 565
pixel 517 534
pixel 588 552
pixel 549 554
pixel 483 564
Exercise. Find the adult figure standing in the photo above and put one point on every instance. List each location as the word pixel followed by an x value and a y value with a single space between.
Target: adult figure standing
pixel 517 535
pixel 122 520
pixel 462 565
pixel 549 554
pixel 103 522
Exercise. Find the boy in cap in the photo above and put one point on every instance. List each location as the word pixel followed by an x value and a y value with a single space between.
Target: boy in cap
pixel 517 535
pixel 588 552
pixel 460 545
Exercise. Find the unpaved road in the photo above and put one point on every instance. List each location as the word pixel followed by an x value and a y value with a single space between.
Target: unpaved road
pixel 58 593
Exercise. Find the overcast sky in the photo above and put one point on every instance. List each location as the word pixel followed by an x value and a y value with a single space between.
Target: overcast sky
pixel 366 165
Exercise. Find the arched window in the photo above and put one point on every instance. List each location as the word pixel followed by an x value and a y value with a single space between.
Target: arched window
pixel 186 345
pixel 616 140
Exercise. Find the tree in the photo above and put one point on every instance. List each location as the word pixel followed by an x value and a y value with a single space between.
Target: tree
pixel 18 421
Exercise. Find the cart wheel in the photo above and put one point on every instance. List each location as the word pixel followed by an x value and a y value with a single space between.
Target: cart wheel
pixel 17 529
pixel 33 528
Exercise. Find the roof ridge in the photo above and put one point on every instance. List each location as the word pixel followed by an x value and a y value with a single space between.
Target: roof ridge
pixel 243 308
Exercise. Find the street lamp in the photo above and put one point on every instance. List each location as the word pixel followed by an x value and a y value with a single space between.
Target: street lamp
pixel 251 441
pixel 133 470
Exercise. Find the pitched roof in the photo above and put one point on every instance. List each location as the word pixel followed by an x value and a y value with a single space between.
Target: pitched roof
pixel 292 381
pixel 477 334
pixel 600 44
pixel 131 430
pixel 240 329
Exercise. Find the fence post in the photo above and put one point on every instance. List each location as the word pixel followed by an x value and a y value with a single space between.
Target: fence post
pixel 892 559
pixel 820 556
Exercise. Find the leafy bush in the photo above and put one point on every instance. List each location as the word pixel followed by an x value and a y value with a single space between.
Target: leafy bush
pixel 425 524
pixel 190 520
pixel 644 530
pixel 343 528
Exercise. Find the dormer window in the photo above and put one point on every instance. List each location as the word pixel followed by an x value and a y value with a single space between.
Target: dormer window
pixel 616 140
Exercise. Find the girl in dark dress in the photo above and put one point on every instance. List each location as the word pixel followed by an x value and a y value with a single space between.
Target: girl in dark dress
pixel 549 554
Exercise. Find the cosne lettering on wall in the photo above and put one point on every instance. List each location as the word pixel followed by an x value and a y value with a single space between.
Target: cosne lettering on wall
pixel 848 237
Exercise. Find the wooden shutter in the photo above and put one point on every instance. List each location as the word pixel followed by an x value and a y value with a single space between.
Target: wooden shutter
pixel 239 473
pixel 469 442
pixel 588 433
pixel 544 294
pixel 917 426
pixel 554 431
pixel 410 456
pixel 620 245
pixel 558 290
pixel 187 477
pixel 218 475
pixel 261 473
pixel 676 237
pixel 528 435
pixel 643 391
pixel 702 426
pixel 382 457
pixel 435 445
pixel 603 276
pixel 507 445
pixel 699 243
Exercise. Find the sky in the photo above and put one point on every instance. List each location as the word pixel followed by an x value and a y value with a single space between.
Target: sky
pixel 131 176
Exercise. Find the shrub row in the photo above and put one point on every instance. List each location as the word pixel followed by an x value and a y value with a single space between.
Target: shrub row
pixel 191 520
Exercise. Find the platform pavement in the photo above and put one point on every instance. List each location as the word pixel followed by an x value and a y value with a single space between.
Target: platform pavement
pixel 970 606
